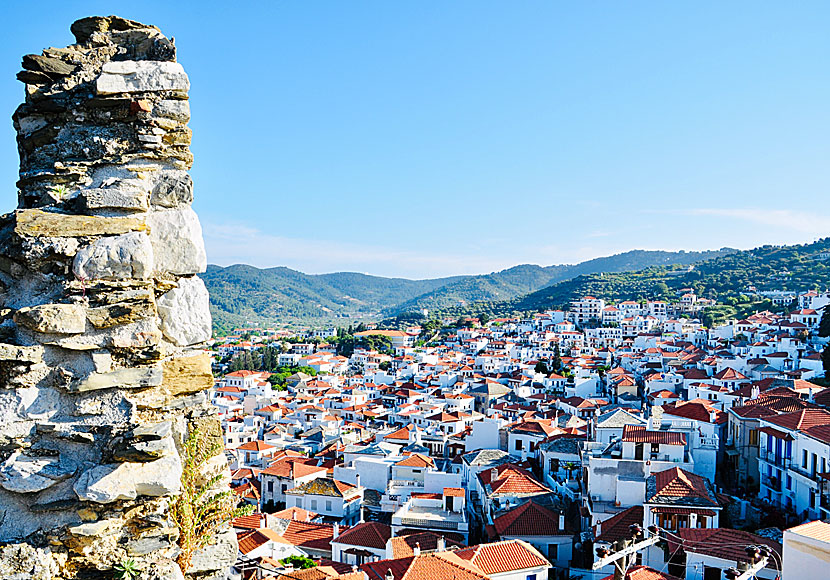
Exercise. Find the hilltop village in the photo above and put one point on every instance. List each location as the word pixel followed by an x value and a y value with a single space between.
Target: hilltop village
pixel 527 448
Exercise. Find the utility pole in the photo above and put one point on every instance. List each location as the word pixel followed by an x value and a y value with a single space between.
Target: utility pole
pixel 623 550
pixel 758 559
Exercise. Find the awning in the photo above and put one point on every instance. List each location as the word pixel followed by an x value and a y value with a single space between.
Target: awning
pixel 732 452
pixel 776 433
pixel 682 511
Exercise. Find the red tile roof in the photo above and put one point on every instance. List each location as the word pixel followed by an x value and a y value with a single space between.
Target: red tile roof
pixel 416 460
pixel 724 543
pixel 367 535
pixel 617 527
pixel 309 535
pixel 512 480
pixel 500 557
pixel 675 483
pixel 435 566
pixel 639 434
pixel 529 519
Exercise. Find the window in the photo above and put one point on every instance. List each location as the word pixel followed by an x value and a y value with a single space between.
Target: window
pixel 328 505
pixel 518 444
pixel 313 504
pixel 531 577
pixel 270 487
pixel 804 459
pixel 753 437
pixel 553 552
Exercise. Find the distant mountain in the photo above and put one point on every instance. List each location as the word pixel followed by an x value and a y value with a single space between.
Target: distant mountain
pixel 243 295
pixel 727 277
pixel 519 280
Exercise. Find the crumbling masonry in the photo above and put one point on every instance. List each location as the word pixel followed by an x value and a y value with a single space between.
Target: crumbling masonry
pixel 102 314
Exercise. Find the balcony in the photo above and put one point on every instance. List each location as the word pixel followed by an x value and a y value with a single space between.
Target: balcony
pixel 772 482
pixel 773 459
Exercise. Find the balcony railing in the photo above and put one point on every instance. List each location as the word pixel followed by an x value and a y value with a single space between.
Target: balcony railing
pixel 431 524
pixel 405 483
pixel 771 482
pixel 772 458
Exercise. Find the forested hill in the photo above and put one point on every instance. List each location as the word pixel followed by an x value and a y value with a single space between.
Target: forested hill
pixel 520 280
pixel 727 278
pixel 242 295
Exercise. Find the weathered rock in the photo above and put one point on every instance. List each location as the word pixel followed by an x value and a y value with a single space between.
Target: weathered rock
pixel 52 67
pixel 141 76
pixel 84 28
pixel 116 257
pixel 26 354
pixel 185 312
pixel 125 195
pixel 35 223
pixel 109 483
pixel 23 473
pixel 131 448
pixel 25 562
pixel 174 188
pixel 187 374
pixel 176 236
pixel 94 397
pixel 53 318
pixel 176 109
pixel 124 312
pixel 220 554
pixel 129 378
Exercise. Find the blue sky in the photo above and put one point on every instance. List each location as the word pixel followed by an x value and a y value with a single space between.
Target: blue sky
pixel 422 139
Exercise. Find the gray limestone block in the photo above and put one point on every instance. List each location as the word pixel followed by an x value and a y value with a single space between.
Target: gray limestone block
pixel 127 378
pixel 128 256
pixel 219 555
pixel 53 318
pixel 140 334
pixel 173 188
pixel 176 236
pixel 118 194
pixel 178 110
pixel 22 473
pixel 185 312
pixel 26 562
pixel 129 76
pixel 109 483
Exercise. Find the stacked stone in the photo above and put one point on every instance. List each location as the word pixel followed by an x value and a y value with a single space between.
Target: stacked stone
pixel 102 314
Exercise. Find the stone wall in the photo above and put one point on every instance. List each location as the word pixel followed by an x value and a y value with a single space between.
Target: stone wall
pixel 102 314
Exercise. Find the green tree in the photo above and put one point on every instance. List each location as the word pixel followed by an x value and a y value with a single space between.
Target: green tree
pixel 556 361
pixel 299 562
pixel 541 367
pixel 825 360
pixel 824 325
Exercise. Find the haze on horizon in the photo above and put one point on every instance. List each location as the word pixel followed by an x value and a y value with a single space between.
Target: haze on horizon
pixel 425 140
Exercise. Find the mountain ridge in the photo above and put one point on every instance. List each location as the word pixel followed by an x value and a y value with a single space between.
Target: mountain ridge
pixel 242 295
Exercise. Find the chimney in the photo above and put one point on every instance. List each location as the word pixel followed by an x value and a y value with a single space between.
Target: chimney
pixel 756 392
pixel 389 575
pixel 357 481
pixel 713 415
pixel 416 551
pixel 335 531
pixel 561 522
pixel 362 516
pixel 810 395
pixel 494 475
pixel 440 544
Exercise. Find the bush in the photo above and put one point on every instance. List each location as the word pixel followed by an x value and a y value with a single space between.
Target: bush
pixel 199 511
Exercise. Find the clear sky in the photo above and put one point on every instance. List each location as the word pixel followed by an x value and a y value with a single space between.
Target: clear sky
pixel 426 138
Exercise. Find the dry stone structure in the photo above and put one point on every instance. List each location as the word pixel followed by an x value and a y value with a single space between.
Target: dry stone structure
pixel 102 314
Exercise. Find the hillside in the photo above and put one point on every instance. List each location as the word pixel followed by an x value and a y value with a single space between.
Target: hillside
pixel 726 278
pixel 242 295
pixel 520 280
